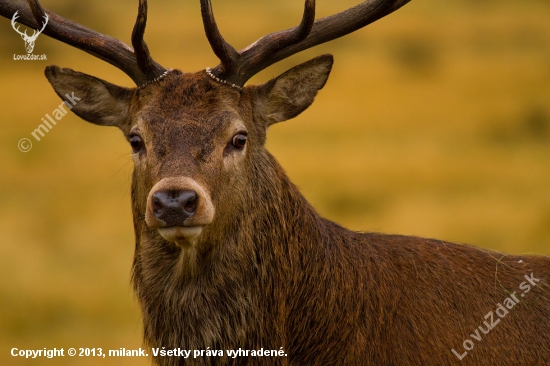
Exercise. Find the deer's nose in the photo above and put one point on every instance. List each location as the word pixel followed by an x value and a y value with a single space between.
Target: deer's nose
pixel 174 206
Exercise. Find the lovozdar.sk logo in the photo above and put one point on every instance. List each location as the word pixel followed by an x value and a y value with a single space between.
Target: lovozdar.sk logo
pixel 29 40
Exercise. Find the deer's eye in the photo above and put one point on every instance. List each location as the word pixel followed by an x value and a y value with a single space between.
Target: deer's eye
pixel 137 143
pixel 239 140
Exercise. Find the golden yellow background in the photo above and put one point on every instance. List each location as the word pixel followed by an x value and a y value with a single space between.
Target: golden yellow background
pixel 435 122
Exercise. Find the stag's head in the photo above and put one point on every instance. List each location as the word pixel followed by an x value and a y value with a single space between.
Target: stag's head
pixel 196 143
pixel 29 40
pixel 197 139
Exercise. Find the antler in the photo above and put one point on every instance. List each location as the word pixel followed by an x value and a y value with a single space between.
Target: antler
pixel 136 63
pixel 237 67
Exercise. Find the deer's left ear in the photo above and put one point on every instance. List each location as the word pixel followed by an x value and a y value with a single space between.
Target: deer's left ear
pixel 293 92
pixel 92 99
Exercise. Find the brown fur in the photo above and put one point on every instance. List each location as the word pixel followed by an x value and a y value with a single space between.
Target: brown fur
pixel 269 272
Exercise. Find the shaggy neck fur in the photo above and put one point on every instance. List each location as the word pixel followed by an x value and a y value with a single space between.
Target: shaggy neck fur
pixel 225 293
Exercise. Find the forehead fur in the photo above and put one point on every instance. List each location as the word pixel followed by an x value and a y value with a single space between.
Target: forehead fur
pixel 186 115
pixel 189 93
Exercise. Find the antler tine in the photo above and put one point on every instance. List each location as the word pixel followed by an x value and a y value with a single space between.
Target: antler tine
pixel 225 52
pixel 343 23
pixel 101 46
pixel 262 50
pixel 308 19
pixel 280 45
pixel 238 72
pixel 143 57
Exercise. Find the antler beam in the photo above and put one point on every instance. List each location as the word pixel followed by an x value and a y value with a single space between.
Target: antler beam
pixel 238 67
pixel 137 64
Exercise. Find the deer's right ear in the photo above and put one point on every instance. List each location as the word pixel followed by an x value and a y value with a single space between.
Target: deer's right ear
pixel 92 99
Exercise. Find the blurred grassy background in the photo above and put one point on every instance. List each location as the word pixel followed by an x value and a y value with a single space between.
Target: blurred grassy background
pixel 435 122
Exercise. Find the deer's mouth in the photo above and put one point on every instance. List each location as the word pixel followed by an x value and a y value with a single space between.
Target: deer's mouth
pixel 179 208
pixel 181 235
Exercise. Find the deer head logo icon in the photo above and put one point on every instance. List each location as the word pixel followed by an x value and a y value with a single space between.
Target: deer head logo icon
pixel 29 40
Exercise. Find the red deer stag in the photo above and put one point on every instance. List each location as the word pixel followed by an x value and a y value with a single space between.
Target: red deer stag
pixel 230 255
